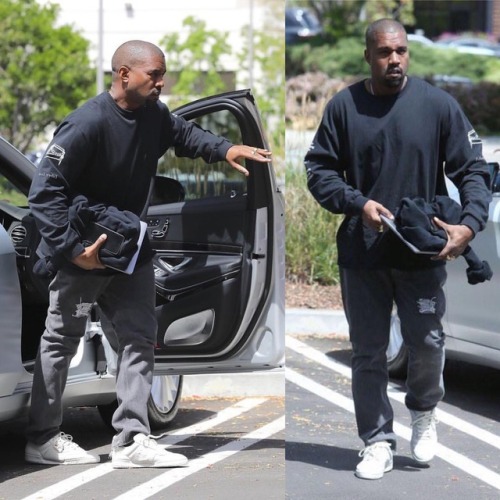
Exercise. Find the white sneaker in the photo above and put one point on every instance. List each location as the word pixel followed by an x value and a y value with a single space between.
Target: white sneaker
pixel 145 452
pixel 377 459
pixel 424 436
pixel 59 450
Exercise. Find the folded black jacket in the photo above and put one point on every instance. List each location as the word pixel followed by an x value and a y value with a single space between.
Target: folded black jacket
pixel 414 220
pixel 90 220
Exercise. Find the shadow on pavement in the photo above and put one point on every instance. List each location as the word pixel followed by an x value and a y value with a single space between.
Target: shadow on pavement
pixel 336 458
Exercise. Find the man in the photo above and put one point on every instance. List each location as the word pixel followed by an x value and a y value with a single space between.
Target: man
pixel 380 140
pixel 107 151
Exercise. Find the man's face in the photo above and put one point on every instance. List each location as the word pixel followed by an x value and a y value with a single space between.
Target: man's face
pixel 388 57
pixel 145 80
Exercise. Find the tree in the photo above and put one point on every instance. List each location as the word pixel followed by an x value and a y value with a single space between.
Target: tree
pixel 269 80
pixel 197 58
pixel 44 71
pixel 401 10
pixel 345 18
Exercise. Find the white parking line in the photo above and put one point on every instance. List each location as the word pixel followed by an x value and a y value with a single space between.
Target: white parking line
pixel 78 480
pixel 456 459
pixel 395 393
pixel 159 483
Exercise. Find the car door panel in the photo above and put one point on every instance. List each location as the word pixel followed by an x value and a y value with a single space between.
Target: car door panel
pixel 199 272
pixel 214 264
pixel 11 324
pixel 472 309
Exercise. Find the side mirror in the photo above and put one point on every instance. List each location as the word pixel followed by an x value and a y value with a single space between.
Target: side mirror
pixel 166 190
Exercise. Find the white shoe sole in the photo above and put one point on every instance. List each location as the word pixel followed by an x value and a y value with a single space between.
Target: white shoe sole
pixel 420 461
pixel 362 475
pixel 39 460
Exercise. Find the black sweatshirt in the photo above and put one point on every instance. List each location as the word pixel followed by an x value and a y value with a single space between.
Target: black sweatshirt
pixel 109 155
pixel 385 148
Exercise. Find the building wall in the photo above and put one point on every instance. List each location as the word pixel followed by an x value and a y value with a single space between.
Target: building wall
pixel 495 19
pixel 435 17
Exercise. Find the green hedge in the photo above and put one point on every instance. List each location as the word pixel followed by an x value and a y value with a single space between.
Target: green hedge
pixel 311 252
pixel 480 100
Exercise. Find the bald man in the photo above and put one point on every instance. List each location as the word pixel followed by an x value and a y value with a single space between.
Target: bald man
pixel 107 150
pixel 382 139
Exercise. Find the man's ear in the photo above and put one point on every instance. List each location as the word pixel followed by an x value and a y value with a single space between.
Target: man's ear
pixel 367 56
pixel 123 72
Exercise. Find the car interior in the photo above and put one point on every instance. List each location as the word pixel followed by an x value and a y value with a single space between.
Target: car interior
pixel 200 222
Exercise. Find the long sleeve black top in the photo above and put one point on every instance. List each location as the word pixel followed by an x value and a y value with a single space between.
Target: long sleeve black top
pixel 109 155
pixel 385 148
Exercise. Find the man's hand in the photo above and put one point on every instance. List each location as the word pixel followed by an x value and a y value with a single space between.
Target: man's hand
pixel 89 259
pixel 371 215
pixel 459 236
pixel 240 151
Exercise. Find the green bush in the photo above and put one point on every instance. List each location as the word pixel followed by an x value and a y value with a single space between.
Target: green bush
pixel 311 252
pixel 345 58
pixel 480 100
pixel 481 104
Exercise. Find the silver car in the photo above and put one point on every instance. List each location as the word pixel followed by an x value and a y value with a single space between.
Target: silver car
pixel 472 319
pixel 219 259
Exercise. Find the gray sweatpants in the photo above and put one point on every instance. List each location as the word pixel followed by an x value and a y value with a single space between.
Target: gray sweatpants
pixel 128 302
pixel 369 296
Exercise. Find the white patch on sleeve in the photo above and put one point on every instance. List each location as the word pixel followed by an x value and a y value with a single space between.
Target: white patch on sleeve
pixel 474 139
pixel 55 152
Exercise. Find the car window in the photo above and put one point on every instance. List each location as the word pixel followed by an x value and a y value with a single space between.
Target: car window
pixel 199 179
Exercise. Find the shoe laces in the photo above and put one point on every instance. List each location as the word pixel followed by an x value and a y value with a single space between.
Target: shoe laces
pixel 64 441
pixel 149 442
pixel 371 452
pixel 424 424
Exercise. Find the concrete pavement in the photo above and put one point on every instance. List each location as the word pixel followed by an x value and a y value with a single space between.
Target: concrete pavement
pixel 228 385
pixel 315 321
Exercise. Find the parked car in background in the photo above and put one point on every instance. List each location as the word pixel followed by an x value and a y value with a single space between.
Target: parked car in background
pixel 470 45
pixel 219 267
pixel 301 25
pixel 421 39
pixel 471 322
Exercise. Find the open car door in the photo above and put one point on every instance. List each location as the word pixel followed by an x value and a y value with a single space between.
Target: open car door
pixel 219 241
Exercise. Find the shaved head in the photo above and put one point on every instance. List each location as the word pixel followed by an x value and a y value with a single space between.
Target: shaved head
pixel 382 26
pixel 133 53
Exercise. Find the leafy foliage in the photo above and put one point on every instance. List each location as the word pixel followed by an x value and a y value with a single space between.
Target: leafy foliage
pixel 269 80
pixel 349 18
pixel 311 252
pixel 345 58
pixel 44 70
pixel 197 57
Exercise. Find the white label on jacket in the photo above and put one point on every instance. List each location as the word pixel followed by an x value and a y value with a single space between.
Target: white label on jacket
pixel 56 152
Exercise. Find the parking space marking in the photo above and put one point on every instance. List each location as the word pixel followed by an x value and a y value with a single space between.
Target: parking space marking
pixel 70 483
pixel 159 483
pixel 395 393
pixel 222 416
pixel 77 480
pixel 447 454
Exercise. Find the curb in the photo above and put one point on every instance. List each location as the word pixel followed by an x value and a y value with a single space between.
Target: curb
pixel 316 322
pixel 269 383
